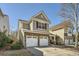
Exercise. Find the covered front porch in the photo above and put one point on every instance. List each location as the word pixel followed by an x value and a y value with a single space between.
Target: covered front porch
pixel 52 39
pixel 56 40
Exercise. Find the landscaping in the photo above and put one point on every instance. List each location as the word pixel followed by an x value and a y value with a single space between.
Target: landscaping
pixel 20 52
pixel 8 47
pixel 5 41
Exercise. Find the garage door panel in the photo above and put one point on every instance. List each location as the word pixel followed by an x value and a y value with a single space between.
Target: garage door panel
pixel 66 42
pixel 31 41
pixel 43 42
pixel 71 41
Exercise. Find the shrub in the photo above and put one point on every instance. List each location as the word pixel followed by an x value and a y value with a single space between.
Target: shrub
pixel 16 45
pixel 4 40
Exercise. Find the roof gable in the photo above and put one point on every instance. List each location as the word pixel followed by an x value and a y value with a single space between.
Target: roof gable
pixel 62 25
pixel 1 13
pixel 41 15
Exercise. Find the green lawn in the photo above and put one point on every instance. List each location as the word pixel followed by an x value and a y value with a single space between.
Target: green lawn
pixel 22 52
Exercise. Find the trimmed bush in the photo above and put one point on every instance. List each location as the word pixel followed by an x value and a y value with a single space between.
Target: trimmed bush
pixel 16 45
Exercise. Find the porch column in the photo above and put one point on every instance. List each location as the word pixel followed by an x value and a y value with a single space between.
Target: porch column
pixel 24 38
pixel 54 39
pixel 38 40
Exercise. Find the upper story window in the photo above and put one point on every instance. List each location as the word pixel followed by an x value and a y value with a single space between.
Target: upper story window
pixel 25 26
pixel 45 26
pixel 41 25
pixel 36 24
pixel 65 34
pixel 69 30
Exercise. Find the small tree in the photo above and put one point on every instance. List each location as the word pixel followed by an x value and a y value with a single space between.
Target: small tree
pixel 71 11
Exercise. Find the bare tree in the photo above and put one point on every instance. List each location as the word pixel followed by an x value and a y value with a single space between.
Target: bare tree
pixel 71 11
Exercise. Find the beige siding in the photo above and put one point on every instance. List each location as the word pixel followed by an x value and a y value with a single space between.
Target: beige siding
pixel 59 33
pixel 31 26
pixel 40 20
pixel 20 25
pixel 6 20
pixel 19 30
pixel 34 25
pixel 4 24
pixel 66 30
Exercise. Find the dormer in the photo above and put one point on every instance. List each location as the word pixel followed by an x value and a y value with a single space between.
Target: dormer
pixel 39 21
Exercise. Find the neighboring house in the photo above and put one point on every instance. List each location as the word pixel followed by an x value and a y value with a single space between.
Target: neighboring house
pixel 14 35
pixel 34 32
pixel 4 23
pixel 63 33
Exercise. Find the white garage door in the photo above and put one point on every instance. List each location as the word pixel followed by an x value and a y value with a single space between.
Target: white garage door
pixel 71 41
pixel 31 41
pixel 43 41
pixel 66 42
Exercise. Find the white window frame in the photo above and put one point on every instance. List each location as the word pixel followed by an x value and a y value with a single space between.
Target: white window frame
pixel 43 37
pixel 69 32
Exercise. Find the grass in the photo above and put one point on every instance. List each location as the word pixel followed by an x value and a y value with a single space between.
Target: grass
pixel 22 52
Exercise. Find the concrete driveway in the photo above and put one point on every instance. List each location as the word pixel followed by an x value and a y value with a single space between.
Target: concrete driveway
pixel 53 51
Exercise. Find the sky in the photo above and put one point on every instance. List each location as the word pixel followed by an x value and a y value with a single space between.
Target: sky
pixel 25 11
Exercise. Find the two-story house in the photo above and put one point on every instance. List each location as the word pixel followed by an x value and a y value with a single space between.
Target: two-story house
pixel 4 23
pixel 34 32
pixel 63 33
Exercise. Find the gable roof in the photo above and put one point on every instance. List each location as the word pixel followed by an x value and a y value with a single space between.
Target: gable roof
pixel 41 15
pixel 1 13
pixel 23 21
pixel 64 24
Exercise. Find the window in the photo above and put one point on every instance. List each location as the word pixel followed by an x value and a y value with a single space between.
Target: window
pixel 65 34
pixel 45 26
pixel 41 37
pixel 69 30
pixel 25 26
pixel 35 37
pixel 3 27
pixel 36 24
pixel 73 40
pixel 39 25
pixel 29 36
pixel 45 37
